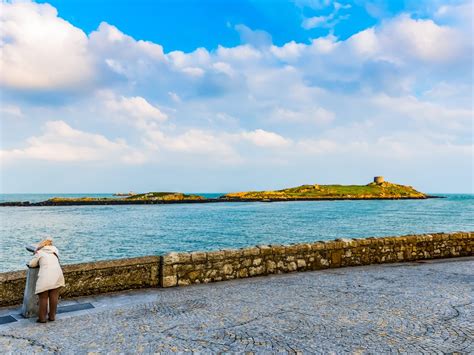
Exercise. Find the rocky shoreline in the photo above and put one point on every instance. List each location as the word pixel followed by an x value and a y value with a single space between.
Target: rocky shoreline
pixel 208 200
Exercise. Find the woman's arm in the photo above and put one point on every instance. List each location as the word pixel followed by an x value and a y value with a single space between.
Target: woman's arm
pixel 35 261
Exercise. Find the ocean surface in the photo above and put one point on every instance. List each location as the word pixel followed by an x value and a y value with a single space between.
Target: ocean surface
pixel 87 233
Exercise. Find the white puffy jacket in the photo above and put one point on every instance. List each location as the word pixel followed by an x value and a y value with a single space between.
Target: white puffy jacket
pixel 50 275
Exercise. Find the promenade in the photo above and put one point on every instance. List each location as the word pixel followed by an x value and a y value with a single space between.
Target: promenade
pixel 416 307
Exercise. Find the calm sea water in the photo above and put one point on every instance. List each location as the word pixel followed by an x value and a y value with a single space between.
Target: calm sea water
pixel 87 233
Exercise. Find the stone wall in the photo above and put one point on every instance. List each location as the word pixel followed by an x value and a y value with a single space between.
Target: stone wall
pixel 180 269
pixel 90 278
pixel 12 285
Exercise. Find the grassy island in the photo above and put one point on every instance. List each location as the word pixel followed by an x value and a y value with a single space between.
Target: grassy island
pixel 149 196
pixel 381 190
pixel 377 190
pixel 164 196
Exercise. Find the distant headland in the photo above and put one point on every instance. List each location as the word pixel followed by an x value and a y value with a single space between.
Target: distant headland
pixel 379 189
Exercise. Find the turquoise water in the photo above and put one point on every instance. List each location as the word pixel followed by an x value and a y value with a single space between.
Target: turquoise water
pixel 86 233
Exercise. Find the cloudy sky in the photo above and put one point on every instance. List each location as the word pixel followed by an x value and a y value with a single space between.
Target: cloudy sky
pixel 214 96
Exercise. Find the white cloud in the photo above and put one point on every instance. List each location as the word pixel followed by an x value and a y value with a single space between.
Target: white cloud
pixel 319 146
pixel 365 43
pixel 225 118
pixel 62 143
pixel 328 21
pixel 193 142
pixel 11 110
pixel 200 57
pixel 422 39
pixel 317 115
pixel 262 138
pixel 115 66
pixel 325 45
pixel 446 93
pixel 257 38
pixel 394 148
pixel 459 14
pixel 404 38
pixel 41 51
pixel 136 108
pixel 403 75
pixel 338 6
pixel 426 113
pixel 289 51
pixel 123 55
pixel 174 96
pixel 239 54
pixel 315 21
pixel 225 68
pixel 193 71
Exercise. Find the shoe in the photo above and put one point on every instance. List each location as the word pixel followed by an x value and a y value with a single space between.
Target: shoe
pixel 51 319
pixel 40 321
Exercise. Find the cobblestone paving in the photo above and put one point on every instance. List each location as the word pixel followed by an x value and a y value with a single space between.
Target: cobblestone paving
pixel 407 308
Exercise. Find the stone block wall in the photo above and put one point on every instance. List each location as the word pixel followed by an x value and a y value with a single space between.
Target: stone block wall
pixel 181 269
pixel 12 285
pixel 90 278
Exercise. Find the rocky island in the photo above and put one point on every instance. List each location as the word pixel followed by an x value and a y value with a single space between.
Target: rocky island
pixel 379 189
pixel 149 196
pixel 376 190
pixel 136 199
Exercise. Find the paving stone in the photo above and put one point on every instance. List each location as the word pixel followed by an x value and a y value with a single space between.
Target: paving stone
pixel 398 308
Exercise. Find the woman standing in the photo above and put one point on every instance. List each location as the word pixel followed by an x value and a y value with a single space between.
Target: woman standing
pixel 50 279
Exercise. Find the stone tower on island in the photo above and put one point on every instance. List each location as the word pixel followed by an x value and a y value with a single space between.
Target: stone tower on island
pixel 378 179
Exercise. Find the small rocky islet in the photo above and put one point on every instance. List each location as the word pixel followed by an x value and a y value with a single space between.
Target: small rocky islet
pixel 376 190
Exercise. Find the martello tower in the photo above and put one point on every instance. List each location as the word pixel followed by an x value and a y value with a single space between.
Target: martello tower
pixel 378 179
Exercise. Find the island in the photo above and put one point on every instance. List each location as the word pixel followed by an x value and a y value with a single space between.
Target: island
pixel 379 189
pixel 136 199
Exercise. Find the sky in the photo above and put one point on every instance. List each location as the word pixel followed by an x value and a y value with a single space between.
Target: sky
pixel 219 96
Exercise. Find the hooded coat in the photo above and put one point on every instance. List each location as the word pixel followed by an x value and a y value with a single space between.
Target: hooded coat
pixel 50 275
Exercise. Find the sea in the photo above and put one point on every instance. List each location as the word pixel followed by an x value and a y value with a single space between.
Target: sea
pixel 90 233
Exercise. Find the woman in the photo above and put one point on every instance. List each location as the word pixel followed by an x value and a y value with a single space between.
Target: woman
pixel 50 279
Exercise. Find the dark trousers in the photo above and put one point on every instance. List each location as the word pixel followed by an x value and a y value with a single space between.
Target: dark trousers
pixel 52 296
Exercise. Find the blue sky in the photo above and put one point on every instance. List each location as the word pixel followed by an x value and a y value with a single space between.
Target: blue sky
pixel 101 96
pixel 187 25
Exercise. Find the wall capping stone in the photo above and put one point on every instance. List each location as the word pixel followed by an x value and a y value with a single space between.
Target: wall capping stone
pixel 105 264
pixel 12 275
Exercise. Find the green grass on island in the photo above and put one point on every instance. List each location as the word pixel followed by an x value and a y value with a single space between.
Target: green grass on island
pixel 380 190
pixel 164 196
pixel 149 196
pixel 369 191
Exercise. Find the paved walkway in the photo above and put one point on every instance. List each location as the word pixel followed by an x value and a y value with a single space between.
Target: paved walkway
pixel 409 308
